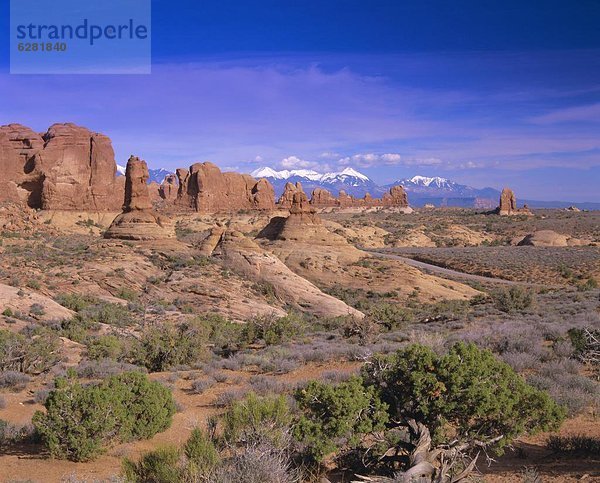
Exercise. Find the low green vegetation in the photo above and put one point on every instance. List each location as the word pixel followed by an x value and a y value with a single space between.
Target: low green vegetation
pixel 30 355
pixel 410 406
pixel 80 421
pixel 514 299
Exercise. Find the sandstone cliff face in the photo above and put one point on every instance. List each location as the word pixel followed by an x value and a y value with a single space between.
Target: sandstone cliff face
pixel 138 221
pixel 68 168
pixel 508 204
pixel 79 168
pixel 205 189
pixel 21 181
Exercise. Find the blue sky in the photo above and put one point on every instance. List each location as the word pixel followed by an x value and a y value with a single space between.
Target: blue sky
pixel 486 93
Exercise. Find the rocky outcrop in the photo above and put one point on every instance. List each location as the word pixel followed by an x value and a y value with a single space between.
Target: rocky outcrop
pixel 154 192
pixel 205 189
pixel 263 195
pixel 138 221
pixel 303 221
pixel 168 188
pixel 79 169
pixel 508 202
pixel 549 238
pixel 287 197
pixel 67 168
pixel 345 199
pixel 210 243
pixel 395 197
pixel 244 256
pixel 303 224
pixel 508 205
pixel 321 198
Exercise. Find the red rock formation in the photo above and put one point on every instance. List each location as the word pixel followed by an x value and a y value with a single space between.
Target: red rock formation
pixel 21 181
pixel 68 168
pixel 321 198
pixel 263 195
pixel 138 221
pixel 204 188
pixel 302 221
pixel 287 197
pixel 396 197
pixel 136 187
pixel 345 199
pixel 79 169
pixel 154 192
pixel 168 188
pixel 508 205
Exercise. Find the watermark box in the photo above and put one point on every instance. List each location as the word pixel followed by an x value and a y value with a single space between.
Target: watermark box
pixel 80 37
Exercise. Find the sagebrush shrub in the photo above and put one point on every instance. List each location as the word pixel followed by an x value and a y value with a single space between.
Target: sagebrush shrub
pixel 515 299
pixel 14 380
pixel 158 466
pixel 257 418
pixel 165 345
pixel 201 452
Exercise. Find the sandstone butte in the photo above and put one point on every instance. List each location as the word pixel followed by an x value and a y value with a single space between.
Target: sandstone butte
pixel 205 189
pixel 138 220
pixel 508 205
pixel 67 168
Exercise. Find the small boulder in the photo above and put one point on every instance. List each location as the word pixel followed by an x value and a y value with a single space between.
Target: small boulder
pixel 544 238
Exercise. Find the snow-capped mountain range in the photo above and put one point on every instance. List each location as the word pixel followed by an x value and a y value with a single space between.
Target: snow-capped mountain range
pixel 156 175
pixel 421 189
pixel 349 180
pixel 347 173
pixel 424 181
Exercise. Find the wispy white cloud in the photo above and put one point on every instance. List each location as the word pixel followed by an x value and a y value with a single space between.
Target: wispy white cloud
pixel 329 155
pixel 586 113
pixel 303 113
pixel 294 162
pixel 370 160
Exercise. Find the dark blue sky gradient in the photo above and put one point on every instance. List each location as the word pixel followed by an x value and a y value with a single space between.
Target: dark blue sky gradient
pixel 189 28
pixel 485 92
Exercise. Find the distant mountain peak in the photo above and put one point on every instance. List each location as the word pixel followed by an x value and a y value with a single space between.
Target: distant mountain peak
pixel 348 172
pixel 156 175
pixel 266 172
pixel 437 181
